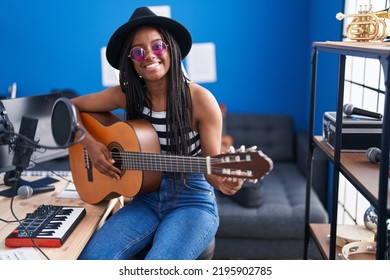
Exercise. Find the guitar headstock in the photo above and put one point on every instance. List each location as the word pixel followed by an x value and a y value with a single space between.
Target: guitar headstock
pixel 249 164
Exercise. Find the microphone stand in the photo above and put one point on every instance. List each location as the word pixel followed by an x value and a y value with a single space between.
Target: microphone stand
pixel 21 160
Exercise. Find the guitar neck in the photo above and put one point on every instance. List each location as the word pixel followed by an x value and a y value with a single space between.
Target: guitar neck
pixel 168 163
pixel 229 165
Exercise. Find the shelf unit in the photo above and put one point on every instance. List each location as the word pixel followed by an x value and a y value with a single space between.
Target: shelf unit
pixel 369 179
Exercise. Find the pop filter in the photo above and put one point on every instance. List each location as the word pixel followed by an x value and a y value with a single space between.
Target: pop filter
pixel 63 122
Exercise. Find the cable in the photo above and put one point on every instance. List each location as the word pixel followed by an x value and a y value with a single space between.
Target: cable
pixel 22 225
pixel 8 221
pixel 37 145
pixel 52 171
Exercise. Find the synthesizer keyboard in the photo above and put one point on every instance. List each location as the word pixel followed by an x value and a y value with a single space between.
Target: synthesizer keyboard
pixel 48 226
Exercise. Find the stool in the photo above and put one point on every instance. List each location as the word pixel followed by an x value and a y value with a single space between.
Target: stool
pixel 207 254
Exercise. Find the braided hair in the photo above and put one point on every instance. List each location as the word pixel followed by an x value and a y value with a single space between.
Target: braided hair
pixel 179 105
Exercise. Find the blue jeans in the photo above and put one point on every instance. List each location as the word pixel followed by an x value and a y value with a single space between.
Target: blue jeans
pixel 180 224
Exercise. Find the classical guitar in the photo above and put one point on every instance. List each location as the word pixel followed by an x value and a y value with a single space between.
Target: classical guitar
pixel 135 148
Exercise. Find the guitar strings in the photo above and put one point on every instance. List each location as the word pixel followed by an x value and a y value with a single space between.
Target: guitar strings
pixel 172 163
pixel 175 163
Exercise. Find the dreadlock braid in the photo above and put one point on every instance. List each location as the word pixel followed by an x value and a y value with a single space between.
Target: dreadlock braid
pixel 131 84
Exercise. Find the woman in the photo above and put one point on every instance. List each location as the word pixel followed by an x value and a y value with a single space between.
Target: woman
pixel 180 218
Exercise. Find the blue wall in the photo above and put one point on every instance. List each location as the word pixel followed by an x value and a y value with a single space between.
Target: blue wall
pixel 262 47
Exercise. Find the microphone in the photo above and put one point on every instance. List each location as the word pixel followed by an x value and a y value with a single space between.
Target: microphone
pixel 22 149
pixel 374 154
pixel 349 110
pixel 27 191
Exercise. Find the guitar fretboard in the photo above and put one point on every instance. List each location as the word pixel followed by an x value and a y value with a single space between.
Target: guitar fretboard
pixel 157 162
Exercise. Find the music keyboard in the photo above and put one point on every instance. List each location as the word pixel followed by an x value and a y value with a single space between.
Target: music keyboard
pixel 48 226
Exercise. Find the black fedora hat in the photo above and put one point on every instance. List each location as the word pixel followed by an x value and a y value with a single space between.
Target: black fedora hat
pixel 144 16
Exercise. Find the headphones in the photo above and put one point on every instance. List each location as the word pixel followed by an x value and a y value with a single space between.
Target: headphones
pixel 6 127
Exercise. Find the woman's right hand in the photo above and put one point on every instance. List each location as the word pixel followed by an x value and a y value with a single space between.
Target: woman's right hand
pixel 102 160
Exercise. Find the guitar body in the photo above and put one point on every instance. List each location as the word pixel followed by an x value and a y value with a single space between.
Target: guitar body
pixel 134 136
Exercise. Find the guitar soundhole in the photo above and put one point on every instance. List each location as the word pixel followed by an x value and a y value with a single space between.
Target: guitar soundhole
pixel 116 153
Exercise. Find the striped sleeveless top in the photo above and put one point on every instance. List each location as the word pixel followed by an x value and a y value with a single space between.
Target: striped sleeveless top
pixel 158 120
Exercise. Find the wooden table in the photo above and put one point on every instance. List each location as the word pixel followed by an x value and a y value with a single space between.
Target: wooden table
pixel 70 250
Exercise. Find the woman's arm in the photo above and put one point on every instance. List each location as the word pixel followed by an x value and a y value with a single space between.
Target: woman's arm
pixel 104 101
pixel 208 122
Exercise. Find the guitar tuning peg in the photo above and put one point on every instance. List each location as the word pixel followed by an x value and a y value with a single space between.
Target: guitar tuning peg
pixel 252 149
pixel 253 181
pixel 242 148
pixel 232 149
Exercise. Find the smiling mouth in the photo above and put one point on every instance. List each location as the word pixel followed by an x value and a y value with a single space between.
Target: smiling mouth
pixel 153 65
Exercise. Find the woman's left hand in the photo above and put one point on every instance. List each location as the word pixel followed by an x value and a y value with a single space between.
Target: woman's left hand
pixel 229 186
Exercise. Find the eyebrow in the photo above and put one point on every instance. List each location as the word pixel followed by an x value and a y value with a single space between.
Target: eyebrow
pixel 153 41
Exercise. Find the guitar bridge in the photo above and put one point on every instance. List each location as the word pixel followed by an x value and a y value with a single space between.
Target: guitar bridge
pixel 88 166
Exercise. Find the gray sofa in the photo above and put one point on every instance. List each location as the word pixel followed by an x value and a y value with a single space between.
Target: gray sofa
pixel 271 224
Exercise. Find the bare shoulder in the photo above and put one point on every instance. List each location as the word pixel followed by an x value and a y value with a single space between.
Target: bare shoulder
pixel 204 105
pixel 201 96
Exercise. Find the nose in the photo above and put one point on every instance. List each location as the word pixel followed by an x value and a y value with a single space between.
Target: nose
pixel 149 54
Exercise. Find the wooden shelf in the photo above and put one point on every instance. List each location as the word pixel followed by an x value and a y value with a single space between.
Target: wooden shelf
pixel 369 179
pixel 362 49
pixel 364 174
pixel 320 234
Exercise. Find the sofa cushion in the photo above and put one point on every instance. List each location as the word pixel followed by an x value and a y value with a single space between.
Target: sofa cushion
pixel 273 134
pixel 250 195
pixel 282 213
